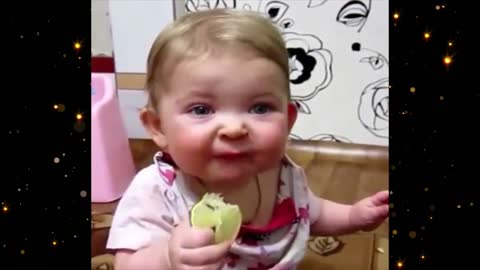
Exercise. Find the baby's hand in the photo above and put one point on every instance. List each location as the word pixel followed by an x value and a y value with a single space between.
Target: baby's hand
pixel 368 213
pixel 192 248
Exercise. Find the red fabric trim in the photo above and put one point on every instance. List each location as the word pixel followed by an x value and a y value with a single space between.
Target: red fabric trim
pixel 102 65
pixel 283 214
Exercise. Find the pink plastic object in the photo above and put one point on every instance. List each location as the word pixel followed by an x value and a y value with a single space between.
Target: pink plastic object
pixel 112 163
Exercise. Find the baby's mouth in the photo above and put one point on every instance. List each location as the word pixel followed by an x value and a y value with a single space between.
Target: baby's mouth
pixel 231 156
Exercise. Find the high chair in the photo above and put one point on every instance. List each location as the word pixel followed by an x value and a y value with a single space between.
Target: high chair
pixel 112 162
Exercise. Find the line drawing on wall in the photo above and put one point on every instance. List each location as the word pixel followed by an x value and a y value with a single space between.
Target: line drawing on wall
pixel 373 105
pixel 373 108
pixel 316 3
pixel 310 67
pixel 273 9
pixel 276 10
pixel 354 14
pixel 323 137
pixel 376 59
pixel 196 5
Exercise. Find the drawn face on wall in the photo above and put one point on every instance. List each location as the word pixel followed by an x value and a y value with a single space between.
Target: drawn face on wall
pixel 354 13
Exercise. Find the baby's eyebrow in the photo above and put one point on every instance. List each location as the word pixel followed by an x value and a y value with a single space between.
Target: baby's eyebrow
pixel 196 94
pixel 268 94
pixel 199 93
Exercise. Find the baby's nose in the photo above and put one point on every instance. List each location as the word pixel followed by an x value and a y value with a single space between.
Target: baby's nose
pixel 233 129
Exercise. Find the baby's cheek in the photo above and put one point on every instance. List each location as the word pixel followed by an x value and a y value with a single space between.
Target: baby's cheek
pixel 274 140
pixel 187 147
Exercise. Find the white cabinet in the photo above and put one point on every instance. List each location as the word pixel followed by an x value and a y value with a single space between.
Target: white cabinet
pixel 135 25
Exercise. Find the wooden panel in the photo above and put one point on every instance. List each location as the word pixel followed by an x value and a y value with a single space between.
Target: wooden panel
pixel 131 81
pixel 356 254
pixel 380 259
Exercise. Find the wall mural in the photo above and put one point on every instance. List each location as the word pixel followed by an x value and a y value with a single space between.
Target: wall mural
pixel 338 54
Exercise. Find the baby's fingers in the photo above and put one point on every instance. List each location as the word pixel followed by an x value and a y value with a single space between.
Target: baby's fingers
pixel 207 255
pixel 190 237
pixel 193 238
pixel 382 212
pixel 380 198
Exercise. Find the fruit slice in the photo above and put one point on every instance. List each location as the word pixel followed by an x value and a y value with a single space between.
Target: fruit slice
pixel 223 218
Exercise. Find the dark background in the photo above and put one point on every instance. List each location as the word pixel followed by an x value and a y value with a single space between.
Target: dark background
pixel 46 223
pixel 434 135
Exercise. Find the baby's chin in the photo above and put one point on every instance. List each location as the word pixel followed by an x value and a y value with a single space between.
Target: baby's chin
pixel 220 182
pixel 229 180
pixel 233 180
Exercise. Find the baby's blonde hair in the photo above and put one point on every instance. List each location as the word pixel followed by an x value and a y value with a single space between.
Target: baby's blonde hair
pixel 199 33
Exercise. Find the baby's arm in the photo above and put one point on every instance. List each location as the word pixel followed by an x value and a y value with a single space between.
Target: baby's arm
pixel 141 225
pixel 330 218
pixel 333 219
pixel 150 231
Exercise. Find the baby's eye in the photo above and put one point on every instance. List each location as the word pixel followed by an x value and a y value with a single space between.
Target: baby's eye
pixel 260 109
pixel 200 110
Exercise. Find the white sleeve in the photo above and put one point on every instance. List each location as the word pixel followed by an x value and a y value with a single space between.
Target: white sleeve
pixel 313 211
pixel 142 216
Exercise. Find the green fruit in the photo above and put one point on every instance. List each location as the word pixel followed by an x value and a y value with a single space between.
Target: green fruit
pixel 212 212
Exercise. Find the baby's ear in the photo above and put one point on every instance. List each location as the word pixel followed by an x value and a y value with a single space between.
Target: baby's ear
pixel 151 122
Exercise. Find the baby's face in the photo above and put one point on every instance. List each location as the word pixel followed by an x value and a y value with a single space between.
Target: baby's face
pixel 226 118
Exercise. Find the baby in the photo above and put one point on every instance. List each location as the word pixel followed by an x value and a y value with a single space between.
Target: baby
pixel 219 110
